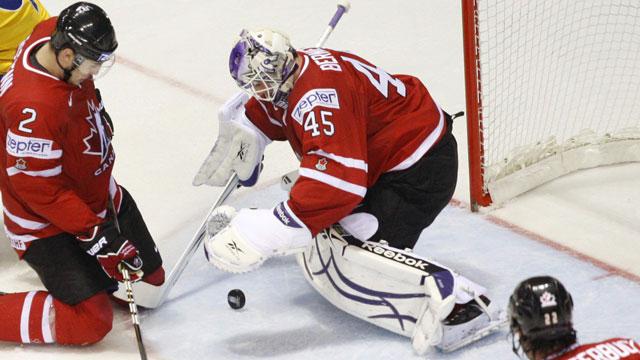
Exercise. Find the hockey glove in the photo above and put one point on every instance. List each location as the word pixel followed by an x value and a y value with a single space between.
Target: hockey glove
pixel 111 249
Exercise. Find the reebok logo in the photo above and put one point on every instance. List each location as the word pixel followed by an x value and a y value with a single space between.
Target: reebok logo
pixel 234 249
pixel 316 97
pixel 22 146
pixel 281 213
pixel 400 257
pixel 242 152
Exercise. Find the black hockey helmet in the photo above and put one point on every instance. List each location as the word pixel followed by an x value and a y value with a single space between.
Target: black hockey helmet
pixel 85 28
pixel 540 308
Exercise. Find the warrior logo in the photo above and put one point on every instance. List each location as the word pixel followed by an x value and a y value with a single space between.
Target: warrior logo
pixel 98 141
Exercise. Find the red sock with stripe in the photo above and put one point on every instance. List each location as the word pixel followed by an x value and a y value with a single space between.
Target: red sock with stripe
pixel 25 317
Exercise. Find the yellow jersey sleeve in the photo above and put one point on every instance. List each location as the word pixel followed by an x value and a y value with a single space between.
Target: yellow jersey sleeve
pixel 17 20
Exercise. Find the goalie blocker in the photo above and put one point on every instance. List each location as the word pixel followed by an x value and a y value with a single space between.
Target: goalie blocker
pixel 399 291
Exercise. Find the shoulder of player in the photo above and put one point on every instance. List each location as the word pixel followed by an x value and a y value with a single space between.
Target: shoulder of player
pixel 43 112
pixel 322 65
pixel 321 82
pixel 623 344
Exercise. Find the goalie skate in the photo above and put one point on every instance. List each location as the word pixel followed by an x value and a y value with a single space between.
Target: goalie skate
pixel 457 336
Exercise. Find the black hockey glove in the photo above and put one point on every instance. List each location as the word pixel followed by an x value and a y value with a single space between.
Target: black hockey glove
pixel 111 250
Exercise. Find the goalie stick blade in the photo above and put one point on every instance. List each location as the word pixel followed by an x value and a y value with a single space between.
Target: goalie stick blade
pixel 492 327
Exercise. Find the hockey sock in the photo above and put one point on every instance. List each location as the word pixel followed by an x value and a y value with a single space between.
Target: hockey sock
pixel 84 323
pixel 26 317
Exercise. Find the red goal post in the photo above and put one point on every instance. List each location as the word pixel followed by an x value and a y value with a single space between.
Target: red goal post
pixel 552 87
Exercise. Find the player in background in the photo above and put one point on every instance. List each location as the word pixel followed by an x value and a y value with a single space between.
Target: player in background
pixel 378 162
pixel 540 312
pixel 60 199
pixel 17 20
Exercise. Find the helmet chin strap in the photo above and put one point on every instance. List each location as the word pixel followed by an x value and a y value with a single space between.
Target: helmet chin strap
pixel 283 91
pixel 67 72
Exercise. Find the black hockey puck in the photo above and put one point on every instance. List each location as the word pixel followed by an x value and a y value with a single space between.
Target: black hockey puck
pixel 236 299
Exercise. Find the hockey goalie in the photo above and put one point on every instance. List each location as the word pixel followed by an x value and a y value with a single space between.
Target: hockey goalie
pixel 378 163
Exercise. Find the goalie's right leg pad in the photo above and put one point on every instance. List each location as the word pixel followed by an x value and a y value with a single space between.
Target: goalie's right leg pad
pixel 391 288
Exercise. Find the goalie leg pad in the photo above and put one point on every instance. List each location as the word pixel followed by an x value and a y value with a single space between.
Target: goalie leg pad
pixel 390 288
pixel 366 293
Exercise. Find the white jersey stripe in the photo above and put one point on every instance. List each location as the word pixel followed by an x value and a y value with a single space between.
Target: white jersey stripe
pixel 113 188
pixel 424 147
pixel 42 173
pixel 25 59
pixel 25 223
pixel 333 181
pixel 348 162
pixel 46 324
pixel 23 238
pixel 305 63
pixel 24 318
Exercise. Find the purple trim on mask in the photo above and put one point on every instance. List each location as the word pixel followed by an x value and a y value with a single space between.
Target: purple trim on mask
pixel 238 53
pixel 382 297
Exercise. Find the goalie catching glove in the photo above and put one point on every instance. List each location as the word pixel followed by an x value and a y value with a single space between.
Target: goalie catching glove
pixel 111 249
pixel 239 148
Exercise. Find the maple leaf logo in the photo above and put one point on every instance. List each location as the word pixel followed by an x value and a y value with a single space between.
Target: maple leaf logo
pixel 98 141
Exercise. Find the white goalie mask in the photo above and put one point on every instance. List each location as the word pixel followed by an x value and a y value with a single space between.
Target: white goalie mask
pixel 262 63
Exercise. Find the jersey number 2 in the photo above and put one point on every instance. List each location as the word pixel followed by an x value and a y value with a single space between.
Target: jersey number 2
pixel 383 80
pixel 23 123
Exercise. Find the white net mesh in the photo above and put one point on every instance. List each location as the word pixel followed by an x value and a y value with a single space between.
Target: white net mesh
pixel 556 75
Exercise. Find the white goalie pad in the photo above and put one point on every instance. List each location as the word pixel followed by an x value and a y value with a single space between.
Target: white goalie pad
pixel 374 295
pixel 393 289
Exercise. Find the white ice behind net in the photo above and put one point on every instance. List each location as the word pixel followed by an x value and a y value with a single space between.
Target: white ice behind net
pixel 560 89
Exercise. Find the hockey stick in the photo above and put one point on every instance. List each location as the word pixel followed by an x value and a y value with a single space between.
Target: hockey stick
pixel 150 297
pixel 133 308
pixel 155 299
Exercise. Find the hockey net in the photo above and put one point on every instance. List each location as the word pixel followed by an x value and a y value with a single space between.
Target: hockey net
pixel 553 86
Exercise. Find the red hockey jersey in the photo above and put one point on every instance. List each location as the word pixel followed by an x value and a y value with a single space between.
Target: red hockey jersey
pixel 616 348
pixel 348 122
pixel 56 150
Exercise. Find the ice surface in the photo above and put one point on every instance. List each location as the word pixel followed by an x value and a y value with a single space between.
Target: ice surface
pixel 163 95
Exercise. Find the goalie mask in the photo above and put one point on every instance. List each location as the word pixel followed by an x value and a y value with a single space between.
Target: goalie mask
pixel 540 310
pixel 262 63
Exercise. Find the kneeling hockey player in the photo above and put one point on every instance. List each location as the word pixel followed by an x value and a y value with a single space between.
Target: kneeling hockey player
pixel 61 204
